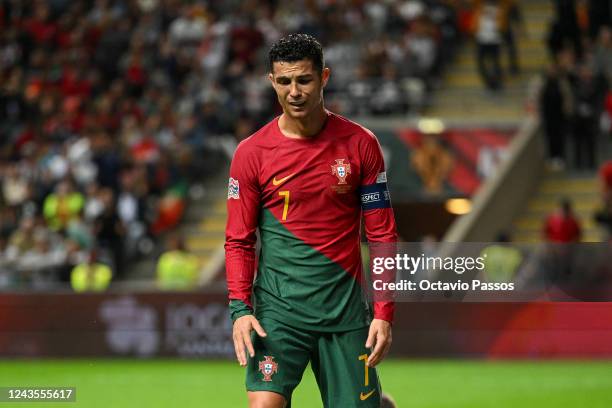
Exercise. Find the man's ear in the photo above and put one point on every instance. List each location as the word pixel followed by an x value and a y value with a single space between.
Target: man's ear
pixel 271 78
pixel 325 76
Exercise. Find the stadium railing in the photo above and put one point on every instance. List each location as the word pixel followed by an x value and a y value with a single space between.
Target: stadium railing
pixel 503 195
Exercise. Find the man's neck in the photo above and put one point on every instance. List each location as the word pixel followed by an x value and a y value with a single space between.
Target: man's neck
pixel 302 129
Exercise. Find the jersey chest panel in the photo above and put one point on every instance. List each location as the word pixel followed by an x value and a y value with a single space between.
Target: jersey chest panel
pixel 304 182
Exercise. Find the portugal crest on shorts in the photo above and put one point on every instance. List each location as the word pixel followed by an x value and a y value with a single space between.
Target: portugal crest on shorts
pixel 341 170
pixel 268 367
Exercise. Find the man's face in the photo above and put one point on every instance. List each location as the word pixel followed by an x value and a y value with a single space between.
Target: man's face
pixel 299 86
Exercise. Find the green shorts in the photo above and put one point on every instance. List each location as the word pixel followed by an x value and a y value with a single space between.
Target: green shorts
pixel 337 359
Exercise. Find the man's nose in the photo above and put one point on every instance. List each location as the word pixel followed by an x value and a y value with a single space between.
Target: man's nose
pixel 294 90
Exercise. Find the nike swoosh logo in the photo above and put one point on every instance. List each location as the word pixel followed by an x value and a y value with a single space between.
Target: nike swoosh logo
pixel 364 397
pixel 281 181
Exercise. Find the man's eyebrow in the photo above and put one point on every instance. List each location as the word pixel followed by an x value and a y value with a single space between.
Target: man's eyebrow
pixel 302 76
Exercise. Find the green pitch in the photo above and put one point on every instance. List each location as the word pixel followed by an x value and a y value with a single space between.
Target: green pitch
pixel 422 384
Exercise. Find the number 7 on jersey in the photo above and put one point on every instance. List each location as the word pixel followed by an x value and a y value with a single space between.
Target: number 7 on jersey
pixel 286 206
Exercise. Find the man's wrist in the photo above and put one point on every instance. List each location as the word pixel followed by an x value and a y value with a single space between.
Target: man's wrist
pixel 390 321
pixel 384 311
pixel 238 308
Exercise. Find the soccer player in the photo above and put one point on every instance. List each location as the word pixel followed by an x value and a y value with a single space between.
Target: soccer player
pixel 304 180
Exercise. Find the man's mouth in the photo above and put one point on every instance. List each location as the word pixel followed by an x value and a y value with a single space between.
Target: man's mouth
pixel 297 104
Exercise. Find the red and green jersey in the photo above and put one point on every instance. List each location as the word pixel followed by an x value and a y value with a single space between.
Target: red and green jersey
pixel 307 197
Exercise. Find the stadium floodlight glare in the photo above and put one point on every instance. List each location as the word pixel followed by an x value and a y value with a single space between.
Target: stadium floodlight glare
pixel 431 126
pixel 458 206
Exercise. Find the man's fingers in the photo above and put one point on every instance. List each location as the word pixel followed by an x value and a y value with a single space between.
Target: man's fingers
pixel 386 346
pixel 386 351
pixel 242 337
pixel 260 331
pixel 383 352
pixel 239 348
pixel 246 336
pixel 378 349
pixel 379 337
pixel 371 337
pixel 373 358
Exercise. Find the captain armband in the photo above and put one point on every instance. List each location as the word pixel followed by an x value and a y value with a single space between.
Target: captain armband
pixel 375 196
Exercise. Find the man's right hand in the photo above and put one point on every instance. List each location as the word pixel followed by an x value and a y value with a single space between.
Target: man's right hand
pixel 242 336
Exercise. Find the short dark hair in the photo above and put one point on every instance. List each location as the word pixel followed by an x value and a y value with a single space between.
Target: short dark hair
pixel 296 47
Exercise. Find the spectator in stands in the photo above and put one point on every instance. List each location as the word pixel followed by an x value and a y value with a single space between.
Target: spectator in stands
pixel 360 89
pixel 79 157
pixel 79 231
pixel 91 275
pixel 513 21
pixel 21 240
pixel 130 205
pixel 565 29
pixel 602 59
pixel 422 47
pixel 7 273
pixel 107 157
pixel 40 265
pixel 94 204
pixel 589 93
pixel 562 232
pixel 15 187
pixel 109 230
pixel 61 206
pixel 605 175
pixel 599 16
pixel 388 98
pixel 75 255
pixel 8 221
pixel 177 268
pixel 488 33
pixel 562 226
pixel 602 54
pixel 556 104
pixel 604 215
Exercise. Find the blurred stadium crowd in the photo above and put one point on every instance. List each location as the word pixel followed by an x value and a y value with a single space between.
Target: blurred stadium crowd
pixel 575 98
pixel 111 111
pixel 575 103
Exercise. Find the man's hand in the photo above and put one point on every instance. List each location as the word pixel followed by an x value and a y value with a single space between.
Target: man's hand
pixel 242 336
pixel 379 337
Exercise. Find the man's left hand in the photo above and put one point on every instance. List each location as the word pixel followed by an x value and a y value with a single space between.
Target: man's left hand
pixel 379 337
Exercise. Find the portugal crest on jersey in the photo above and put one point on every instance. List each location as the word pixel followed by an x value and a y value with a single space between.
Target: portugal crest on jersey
pixel 268 367
pixel 341 170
